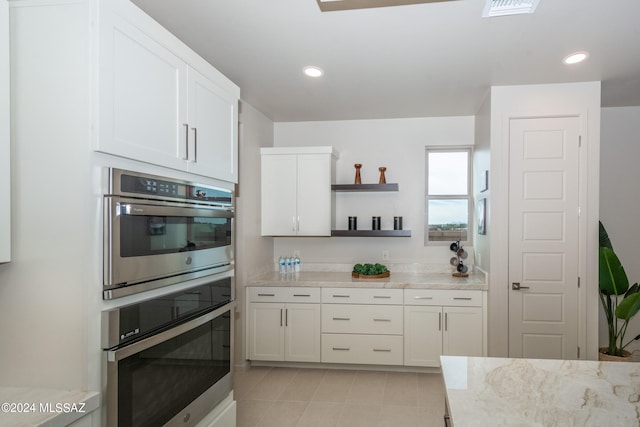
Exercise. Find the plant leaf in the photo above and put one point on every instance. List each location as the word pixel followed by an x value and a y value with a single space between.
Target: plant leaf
pixel 613 279
pixel 632 290
pixel 628 307
pixel 605 242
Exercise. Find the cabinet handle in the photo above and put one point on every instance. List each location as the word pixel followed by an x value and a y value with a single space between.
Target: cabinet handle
pixel 382 296
pixel 195 144
pixel 341 318
pixel 298 224
pixel 280 317
pixel 423 297
pixel 386 350
pixel 382 320
pixel 461 298
pixel 301 295
pixel 286 317
pixel 186 131
pixel 293 223
pixel 266 295
pixel 445 321
pixel 341 348
pixel 439 321
pixel 342 296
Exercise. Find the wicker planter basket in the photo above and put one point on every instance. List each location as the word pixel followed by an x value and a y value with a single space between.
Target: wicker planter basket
pixel 604 357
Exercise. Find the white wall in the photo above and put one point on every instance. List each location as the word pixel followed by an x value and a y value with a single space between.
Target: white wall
pixel 398 144
pixel 253 252
pixel 482 163
pixel 619 201
pixel 581 100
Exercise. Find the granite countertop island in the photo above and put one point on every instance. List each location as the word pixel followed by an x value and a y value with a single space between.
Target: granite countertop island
pixel 484 391
pixel 397 280
pixel 25 406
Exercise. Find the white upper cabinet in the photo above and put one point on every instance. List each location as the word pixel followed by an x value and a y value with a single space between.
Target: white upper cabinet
pixel 296 191
pixel 213 129
pixel 158 102
pixel 142 96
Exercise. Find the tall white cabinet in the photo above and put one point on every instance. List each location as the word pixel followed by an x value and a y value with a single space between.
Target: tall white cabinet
pixel 5 146
pixel 296 191
pixel 159 102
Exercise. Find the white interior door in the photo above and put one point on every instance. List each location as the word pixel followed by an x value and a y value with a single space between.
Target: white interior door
pixel 543 237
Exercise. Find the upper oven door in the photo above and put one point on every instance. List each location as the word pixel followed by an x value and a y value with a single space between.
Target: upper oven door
pixel 152 240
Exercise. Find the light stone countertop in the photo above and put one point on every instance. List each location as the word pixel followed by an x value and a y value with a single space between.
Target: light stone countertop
pixel 400 280
pixel 25 406
pixel 484 391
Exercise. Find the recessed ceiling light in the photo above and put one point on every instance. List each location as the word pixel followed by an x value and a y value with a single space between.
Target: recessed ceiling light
pixel 312 71
pixel 509 7
pixel 576 57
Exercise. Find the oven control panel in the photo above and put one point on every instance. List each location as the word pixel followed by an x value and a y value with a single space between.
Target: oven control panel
pixel 136 184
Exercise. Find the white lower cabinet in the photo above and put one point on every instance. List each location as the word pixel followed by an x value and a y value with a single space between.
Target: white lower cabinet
pixel 362 349
pixel 282 330
pixel 362 326
pixel 432 329
pixel 411 327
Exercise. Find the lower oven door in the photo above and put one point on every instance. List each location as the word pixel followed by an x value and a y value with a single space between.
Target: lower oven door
pixel 156 243
pixel 173 378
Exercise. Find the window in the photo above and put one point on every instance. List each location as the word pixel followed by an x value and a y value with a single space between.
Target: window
pixel 448 203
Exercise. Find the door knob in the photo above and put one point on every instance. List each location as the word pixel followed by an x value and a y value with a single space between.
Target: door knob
pixel 516 286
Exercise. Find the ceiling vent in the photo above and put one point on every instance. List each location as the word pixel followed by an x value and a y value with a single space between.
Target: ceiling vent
pixel 509 7
pixel 331 5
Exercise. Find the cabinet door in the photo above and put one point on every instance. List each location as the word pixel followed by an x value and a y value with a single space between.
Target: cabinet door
pixel 314 195
pixel 266 331
pixel 302 333
pixel 422 335
pixel 5 138
pixel 462 334
pixel 279 183
pixel 212 148
pixel 142 95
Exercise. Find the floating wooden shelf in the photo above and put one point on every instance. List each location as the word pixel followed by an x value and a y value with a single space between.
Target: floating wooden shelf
pixel 370 233
pixel 364 187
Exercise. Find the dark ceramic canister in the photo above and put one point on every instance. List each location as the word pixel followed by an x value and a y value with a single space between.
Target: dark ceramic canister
pixel 375 223
pixel 397 223
pixel 353 223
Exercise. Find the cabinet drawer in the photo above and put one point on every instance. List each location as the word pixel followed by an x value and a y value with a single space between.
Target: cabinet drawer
pixel 361 296
pixel 283 294
pixel 362 319
pixel 363 349
pixel 456 298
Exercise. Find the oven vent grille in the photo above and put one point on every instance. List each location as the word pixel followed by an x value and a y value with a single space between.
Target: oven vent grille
pixel 509 7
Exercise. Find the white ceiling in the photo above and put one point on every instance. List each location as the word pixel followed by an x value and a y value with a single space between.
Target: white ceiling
pixel 418 60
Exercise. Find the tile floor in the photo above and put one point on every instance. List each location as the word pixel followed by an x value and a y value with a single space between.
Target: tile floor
pixel 282 397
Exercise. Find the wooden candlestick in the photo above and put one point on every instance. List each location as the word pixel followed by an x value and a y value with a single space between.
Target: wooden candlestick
pixel 383 179
pixel 358 179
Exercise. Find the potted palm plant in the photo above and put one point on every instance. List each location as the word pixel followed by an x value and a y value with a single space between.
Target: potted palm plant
pixel 614 284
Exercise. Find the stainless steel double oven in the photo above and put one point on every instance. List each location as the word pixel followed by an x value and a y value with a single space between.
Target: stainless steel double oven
pixel 168 356
pixel 160 231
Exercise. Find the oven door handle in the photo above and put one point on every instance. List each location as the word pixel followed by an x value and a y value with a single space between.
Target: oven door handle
pixel 126 208
pixel 137 347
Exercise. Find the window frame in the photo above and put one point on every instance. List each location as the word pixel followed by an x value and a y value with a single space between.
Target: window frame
pixel 468 196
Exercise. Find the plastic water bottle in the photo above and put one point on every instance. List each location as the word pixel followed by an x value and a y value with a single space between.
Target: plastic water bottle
pixel 281 262
pixel 296 263
pixel 289 265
